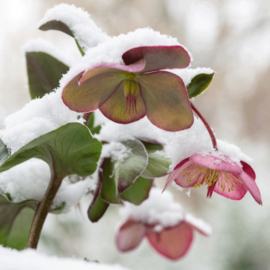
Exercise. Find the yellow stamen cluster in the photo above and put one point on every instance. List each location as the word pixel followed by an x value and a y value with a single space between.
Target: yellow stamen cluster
pixel 209 177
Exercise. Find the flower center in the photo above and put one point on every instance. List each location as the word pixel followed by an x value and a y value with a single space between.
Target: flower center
pixel 210 178
pixel 131 90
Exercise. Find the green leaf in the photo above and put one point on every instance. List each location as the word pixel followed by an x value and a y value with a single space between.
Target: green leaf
pixel 3 152
pixel 120 175
pixel 70 149
pixel 109 192
pixel 15 222
pixel 126 171
pixel 91 122
pixel 198 84
pixel 60 26
pixel 157 166
pixel 98 206
pixel 138 191
pixel 44 73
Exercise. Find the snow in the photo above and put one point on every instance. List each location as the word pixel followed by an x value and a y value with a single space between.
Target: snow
pixel 79 22
pixel 116 151
pixel 11 259
pixel 42 45
pixel 158 209
pixel 177 145
pixel 111 50
pixel 29 181
pixel 36 118
pixel 161 210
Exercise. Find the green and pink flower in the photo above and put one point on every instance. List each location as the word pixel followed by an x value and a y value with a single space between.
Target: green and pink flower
pixel 125 93
pixel 219 173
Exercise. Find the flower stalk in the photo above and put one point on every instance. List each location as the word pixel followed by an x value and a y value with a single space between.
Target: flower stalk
pixel 211 134
pixel 42 211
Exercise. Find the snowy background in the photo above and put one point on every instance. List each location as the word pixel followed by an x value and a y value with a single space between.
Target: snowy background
pixel 230 36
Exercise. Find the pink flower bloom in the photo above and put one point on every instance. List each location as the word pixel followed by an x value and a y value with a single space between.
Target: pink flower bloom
pixel 219 174
pixel 127 92
pixel 171 242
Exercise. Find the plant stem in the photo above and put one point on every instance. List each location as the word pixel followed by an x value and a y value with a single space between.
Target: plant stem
pixel 211 134
pixel 42 212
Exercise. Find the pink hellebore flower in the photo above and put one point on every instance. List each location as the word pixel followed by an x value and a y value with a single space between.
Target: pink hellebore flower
pixel 220 174
pixel 171 242
pixel 127 92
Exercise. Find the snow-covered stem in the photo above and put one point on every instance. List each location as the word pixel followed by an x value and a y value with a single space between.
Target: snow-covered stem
pixel 211 134
pixel 42 211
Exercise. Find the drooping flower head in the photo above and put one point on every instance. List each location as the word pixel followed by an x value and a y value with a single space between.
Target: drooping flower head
pixel 163 222
pixel 219 173
pixel 127 92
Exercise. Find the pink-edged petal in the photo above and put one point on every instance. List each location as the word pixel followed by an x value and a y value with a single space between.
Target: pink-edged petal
pixel 251 186
pixel 92 93
pixel 177 175
pixel 112 68
pixel 130 235
pixel 173 243
pixel 248 169
pixel 115 108
pixel 166 101
pixel 158 57
pixel 222 187
pixel 198 224
pixel 216 163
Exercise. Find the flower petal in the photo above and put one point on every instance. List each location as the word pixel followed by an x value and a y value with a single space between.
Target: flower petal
pixel 158 57
pixel 173 243
pixel 112 68
pixel 130 235
pixel 91 93
pixel 216 163
pixel 188 175
pixel 115 107
pixel 239 189
pixel 250 183
pixel 166 100
pixel 176 172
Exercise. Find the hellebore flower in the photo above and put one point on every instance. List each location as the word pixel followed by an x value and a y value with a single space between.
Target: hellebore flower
pixel 219 173
pixel 172 239
pixel 125 93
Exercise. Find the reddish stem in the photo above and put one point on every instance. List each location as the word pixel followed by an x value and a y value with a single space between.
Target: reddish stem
pixel 211 134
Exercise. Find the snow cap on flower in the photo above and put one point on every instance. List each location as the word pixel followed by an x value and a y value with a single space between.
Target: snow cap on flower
pixel 219 173
pixel 163 222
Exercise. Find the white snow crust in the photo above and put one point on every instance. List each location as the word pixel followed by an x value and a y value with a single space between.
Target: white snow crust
pixel 177 145
pixel 111 50
pixel 36 118
pixel 161 210
pixel 11 259
pixel 79 22
pixel 30 180
pixel 42 45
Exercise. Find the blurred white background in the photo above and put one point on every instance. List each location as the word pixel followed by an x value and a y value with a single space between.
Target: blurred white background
pixel 230 36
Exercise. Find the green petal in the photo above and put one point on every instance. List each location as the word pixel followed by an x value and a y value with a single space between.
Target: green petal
pixel 166 100
pixel 93 92
pixel 115 107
